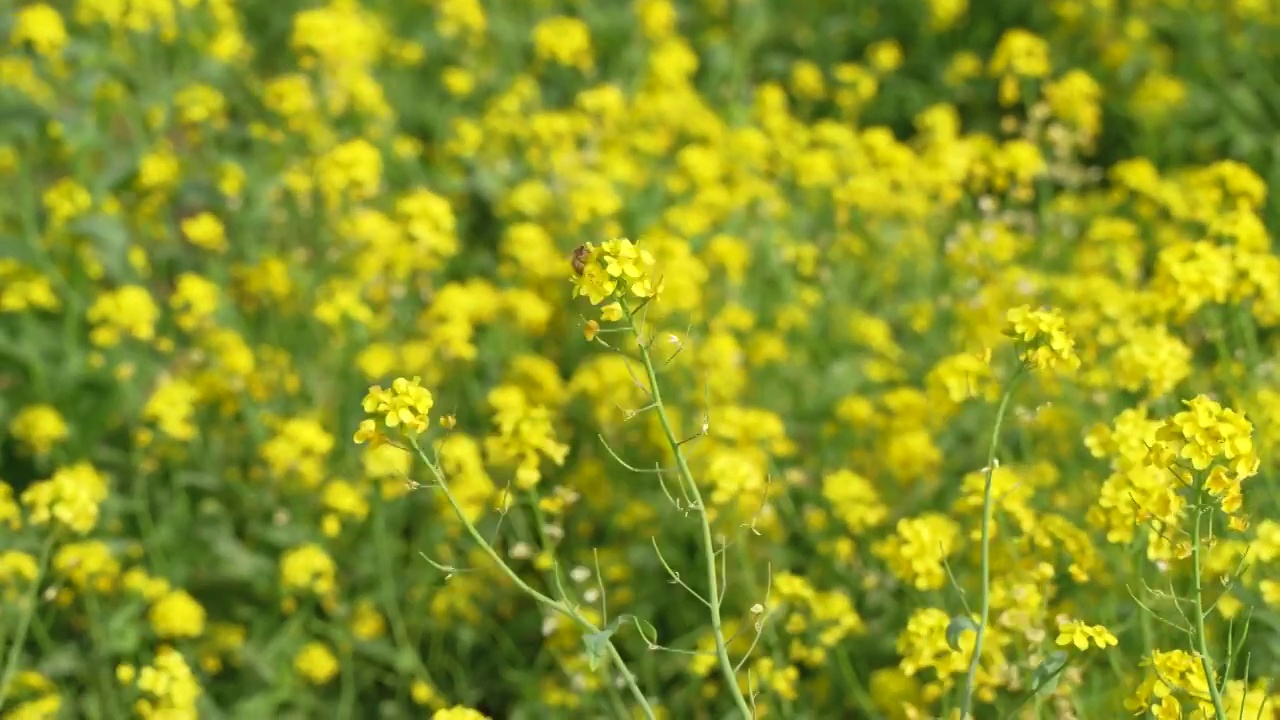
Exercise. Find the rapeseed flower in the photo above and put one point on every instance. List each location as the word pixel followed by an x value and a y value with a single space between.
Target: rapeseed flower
pixel 70 498
pixel 1044 342
pixel 177 615
pixel 41 26
pixel 1075 632
pixel 39 427
pixel 316 663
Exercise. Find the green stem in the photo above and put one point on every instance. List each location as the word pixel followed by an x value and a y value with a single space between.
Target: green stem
pixel 24 620
pixel 860 696
pixel 146 521
pixel 985 611
pixel 555 605
pixel 285 634
pixel 1219 710
pixel 1034 694
pixel 540 528
pixel 554 581
pixel 101 662
pixel 615 701
pixel 708 544
pixel 390 594
pixel 347 691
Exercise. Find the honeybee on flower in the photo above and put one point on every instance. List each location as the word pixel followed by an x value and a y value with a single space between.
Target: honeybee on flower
pixel 579 258
pixel 614 267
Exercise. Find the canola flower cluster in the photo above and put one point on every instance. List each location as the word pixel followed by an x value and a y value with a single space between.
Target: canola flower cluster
pixel 662 358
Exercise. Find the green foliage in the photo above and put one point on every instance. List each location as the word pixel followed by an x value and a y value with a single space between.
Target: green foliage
pixel 777 479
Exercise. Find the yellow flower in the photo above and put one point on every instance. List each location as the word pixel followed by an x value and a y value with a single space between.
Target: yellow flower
pixel 423 693
pixel 404 406
pixel 524 435
pixel 1205 432
pixel 205 230
pixel 307 568
pixel 41 26
pixel 351 171
pixel 16 569
pixel 458 712
pixel 613 265
pixel 199 104
pixel 366 622
pixel 1075 632
pixel 1042 337
pixel 915 553
pixel 159 170
pixel 39 427
pixel 171 408
pixel 885 56
pixel 170 687
pixel 565 41
pixel 66 200
pixel 128 312
pixel 807 80
pixel 24 289
pixel 368 432
pixel 71 497
pixel 1020 52
pixel 316 663
pixel 87 565
pixel 177 615
pixel 195 299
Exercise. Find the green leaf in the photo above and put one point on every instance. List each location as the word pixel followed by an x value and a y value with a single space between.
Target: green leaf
pixel 646 629
pixel 198 479
pixel 13 247
pixel 110 239
pixel 1044 679
pixel 402 660
pixel 958 625
pixel 19 119
pixel 62 661
pixel 239 561
pixel 597 643
pixel 124 637
pixel 260 705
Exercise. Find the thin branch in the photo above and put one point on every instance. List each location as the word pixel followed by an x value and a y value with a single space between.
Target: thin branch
pixel 675 576
pixel 1155 615
pixel 604 600
pixel 624 463
pixel 448 570
pixel 955 584
pixel 724 569
pixel 764 617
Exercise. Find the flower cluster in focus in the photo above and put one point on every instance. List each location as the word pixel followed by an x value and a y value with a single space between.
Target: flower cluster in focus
pixel 614 267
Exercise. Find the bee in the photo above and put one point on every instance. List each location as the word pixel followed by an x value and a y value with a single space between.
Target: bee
pixel 579 259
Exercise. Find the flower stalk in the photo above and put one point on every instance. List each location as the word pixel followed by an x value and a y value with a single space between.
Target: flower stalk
pixel 713 595
pixel 556 605
pixel 24 620
pixel 984 611
pixel 1202 643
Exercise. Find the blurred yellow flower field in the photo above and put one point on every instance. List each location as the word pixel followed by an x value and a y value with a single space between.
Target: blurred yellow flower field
pixel 684 359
